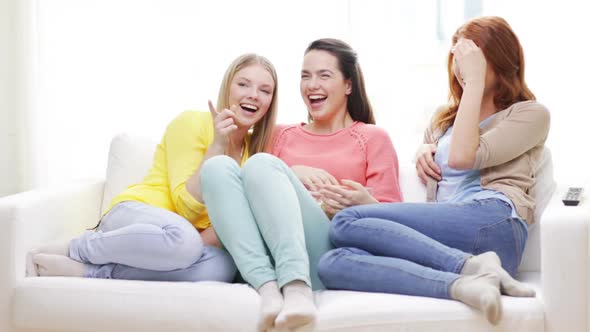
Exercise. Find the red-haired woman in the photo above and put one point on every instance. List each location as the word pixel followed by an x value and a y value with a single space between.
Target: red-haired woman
pixel 478 161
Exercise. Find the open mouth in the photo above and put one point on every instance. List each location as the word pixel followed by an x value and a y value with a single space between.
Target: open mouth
pixel 249 108
pixel 316 99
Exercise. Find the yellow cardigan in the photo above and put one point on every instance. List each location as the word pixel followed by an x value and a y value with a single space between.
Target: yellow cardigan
pixel 177 157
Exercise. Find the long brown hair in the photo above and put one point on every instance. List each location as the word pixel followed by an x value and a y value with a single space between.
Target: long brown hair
pixel 358 105
pixel 262 131
pixel 503 54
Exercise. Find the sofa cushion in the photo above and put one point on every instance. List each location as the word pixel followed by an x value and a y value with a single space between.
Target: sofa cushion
pixel 542 190
pixel 130 158
pixel 84 305
pixel 410 184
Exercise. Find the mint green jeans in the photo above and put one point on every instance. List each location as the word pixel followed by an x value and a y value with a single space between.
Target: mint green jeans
pixel 266 219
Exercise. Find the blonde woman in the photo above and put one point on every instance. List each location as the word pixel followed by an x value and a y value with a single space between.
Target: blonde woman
pixel 159 229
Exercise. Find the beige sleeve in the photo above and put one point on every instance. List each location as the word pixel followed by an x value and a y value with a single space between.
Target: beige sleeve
pixel 519 132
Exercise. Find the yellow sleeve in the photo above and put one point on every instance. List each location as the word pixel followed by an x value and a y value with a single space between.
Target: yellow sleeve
pixel 187 139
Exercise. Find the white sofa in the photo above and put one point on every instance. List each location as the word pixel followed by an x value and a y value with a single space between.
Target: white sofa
pixel 556 263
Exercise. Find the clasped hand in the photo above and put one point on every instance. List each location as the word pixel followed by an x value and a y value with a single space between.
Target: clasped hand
pixel 333 195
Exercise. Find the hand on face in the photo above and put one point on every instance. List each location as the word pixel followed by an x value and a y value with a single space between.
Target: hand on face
pixel 425 165
pixel 337 197
pixel 469 62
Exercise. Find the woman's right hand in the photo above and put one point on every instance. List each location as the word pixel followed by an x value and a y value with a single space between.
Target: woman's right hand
pixel 224 123
pixel 469 62
pixel 425 165
pixel 313 178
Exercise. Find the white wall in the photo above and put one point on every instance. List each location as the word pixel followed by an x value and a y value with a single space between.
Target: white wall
pixel 554 35
pixel 100 67
pixel 9 161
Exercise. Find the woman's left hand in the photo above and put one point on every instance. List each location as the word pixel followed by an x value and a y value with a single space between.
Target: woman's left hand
pixel 470 62
pixel 335 198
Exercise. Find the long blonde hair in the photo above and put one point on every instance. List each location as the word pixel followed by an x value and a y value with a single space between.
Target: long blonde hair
pixel 503 54
pixel 263 129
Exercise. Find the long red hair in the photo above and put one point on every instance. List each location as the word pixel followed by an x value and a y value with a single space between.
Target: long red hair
pixel 503 54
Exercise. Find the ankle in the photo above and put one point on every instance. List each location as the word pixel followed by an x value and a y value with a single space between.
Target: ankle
pixel 477 264
pixel 299 308
pixel 270 305
pixel 480 291
pixel 298 286
pixel 269 288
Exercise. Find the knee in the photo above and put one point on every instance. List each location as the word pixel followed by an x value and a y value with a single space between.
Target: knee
pixel 261 164
pixel 340 227
pixel 330 268
pixel 216 169
pixel 185 244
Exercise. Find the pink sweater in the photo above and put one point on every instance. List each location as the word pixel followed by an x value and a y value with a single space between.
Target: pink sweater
pixel 362 153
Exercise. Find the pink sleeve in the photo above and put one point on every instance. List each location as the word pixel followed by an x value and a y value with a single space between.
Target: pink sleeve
pixel 383 167
pixel 277 139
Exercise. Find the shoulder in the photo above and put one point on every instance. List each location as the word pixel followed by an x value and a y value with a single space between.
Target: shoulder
pixel 372 138
pixel 285 127
pixel 529 108
pixel 281 130
pixel 192 119
pixel 190 124
pixel 192 116
pixel 280 133
pixel 370 131
pixel 526 114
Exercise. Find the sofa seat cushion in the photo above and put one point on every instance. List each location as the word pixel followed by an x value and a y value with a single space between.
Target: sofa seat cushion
pixel 79 304
pixel 76 304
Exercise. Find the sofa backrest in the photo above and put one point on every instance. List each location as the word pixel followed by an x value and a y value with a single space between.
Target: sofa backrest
pixel 131 157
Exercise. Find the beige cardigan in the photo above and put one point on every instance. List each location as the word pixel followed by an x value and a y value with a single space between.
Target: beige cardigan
pixel 510 146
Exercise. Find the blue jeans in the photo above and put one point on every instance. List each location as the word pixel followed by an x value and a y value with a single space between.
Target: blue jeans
pixel 137 241
pixel 266 219
pixel 418 248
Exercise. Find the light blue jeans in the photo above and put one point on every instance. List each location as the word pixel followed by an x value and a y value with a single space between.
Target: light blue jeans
pixel 266 219
pixel 137 241
pixel 418 248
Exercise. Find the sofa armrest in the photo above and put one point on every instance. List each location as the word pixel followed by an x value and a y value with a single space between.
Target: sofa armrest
pixel 46 215
pixel 565 259
pixel 36 217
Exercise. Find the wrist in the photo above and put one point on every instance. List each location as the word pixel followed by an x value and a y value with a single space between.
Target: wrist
pixel 371 200
pixel 216 148
pixel 478 82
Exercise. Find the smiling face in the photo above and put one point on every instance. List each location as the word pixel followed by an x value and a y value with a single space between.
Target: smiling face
pixel 323 87
pixel 251 90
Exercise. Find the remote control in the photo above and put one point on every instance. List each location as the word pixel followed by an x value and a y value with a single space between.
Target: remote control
pixel 573 196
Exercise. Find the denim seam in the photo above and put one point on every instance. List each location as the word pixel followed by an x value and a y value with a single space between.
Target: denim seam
pixel 459 266
pixel 519 241
pixel 494 224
